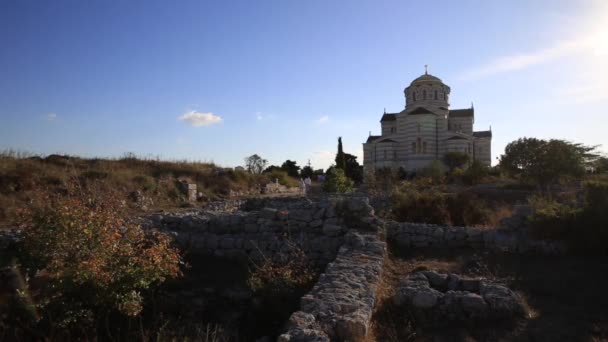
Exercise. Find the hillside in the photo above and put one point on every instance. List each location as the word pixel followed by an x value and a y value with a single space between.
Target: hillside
pixel 143 183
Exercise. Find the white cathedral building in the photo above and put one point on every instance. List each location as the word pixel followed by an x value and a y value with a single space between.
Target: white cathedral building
pixel 425 131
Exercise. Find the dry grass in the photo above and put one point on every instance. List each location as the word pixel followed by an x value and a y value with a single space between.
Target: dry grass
pixel 21 174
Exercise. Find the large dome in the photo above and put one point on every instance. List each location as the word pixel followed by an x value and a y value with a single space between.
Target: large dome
pixel 426 78
pixel 427 91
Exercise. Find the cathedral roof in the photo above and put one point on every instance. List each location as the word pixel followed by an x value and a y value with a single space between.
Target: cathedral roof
pixel 461 113
pixel 456 137
pixel 482 134
pixel 427 77
pixel 420 110
pixel 387 140
pixel 371 138
pixel 388 117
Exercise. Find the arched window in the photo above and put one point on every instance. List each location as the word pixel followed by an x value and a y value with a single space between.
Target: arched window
pixel 413 148
pixel 414 95
pixel 424 94
pixel 393 130
pixel 394 155
pixel 419 146
pixel 424 147
pixel 436 95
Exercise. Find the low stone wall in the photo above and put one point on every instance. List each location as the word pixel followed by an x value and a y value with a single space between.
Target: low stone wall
pixel 317 228
pixel 437 299
pixel 340 305
pixel 408 235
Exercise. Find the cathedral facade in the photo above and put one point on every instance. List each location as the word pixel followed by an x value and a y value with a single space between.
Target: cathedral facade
pixel 425 131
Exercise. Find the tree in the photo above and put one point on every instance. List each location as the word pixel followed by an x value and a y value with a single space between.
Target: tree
pixel 96 260
pixel 255 164
pixel 601 165
pixel 352 168
pixel 307 171
pixel 340 157
pixel 337 182
pixel 455 159
pixel 475 172
pixel 271 169
pixel 291 167
pixel 546 162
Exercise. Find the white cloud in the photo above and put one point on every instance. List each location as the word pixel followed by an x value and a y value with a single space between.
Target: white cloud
pixel 51 116
pixel 322 119
pixel 259 116
pixel 198 119
pixel 521 61
pixel 590 41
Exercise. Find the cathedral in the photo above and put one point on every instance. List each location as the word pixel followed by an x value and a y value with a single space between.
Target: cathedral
pixel 425 131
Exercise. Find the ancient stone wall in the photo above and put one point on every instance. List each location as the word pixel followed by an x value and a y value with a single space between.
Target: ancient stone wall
pixel 268 229
pixel 407 235
pixel 340 305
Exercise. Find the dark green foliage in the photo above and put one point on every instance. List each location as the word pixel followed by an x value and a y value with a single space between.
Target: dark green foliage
pixel 271 168
pixel 466 209
pixel 584 228
pixel 545 162
pixel 416 202
pixel 353 170
pixel 337 182
pixel 255 164
pixel 455 159
pixel 306 172
pixel 433 171
pixel 413 205
pixel 291 167
pixel 340 157
pixel 601 165
pixel 475 173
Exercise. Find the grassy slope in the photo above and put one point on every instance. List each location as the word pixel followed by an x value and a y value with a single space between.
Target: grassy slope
pixel 22 176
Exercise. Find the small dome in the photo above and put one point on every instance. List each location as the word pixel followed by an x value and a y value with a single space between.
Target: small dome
pixel 426 78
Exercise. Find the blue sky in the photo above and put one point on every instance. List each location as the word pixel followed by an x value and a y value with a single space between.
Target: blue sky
pixel 221 80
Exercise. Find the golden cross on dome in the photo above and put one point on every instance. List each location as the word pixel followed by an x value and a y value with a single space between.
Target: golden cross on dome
pixel 426 69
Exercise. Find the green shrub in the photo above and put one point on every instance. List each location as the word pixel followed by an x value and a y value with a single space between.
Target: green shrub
pixel 435 171
pixel 475 173
pixel 467 210
pixel 592 226
pixel 551 220
pixel 281 276
pixel 283 177
pixel 413 205
pixel 94 261
pixel 337 182
pixel 146 183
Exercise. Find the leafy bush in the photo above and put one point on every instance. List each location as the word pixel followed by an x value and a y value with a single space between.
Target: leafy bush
pixel 551 220
pixel 413 205
pixel 280 277
pixel 456 160
pixel 475 173
pixel 435 171
pixel 283 178
pixel 94 261
pixel 147 183
pixel 584 228
pixel 337 182
pixel 467 210
pixel 413 202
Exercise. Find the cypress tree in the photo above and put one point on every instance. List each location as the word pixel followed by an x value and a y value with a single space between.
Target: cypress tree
pixel 340 157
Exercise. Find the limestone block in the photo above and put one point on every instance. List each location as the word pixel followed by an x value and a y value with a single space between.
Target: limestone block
pixel 251 228
pixel 331 229
pixel 211 241
pixel 227 243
